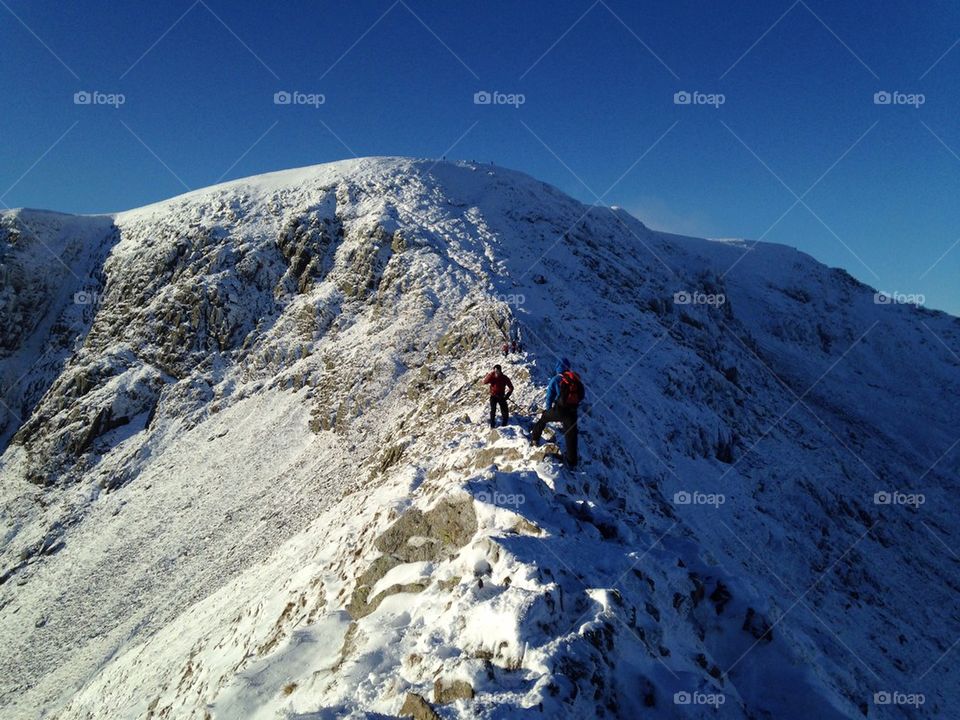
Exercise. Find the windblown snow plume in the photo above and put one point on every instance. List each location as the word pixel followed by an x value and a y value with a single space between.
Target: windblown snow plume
pixel 247 473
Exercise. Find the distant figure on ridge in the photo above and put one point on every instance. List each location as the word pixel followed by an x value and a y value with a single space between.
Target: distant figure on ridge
pixel 564 395
pixel 500 389
pixel 510 347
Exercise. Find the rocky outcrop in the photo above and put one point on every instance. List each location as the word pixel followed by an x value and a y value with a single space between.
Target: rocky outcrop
pixel 448 691
pixel 416 707
pixel 416 536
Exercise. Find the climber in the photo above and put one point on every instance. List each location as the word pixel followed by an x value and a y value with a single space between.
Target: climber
pixel 514 338
pixel 500 389
pixel 511 347
pixel 565 392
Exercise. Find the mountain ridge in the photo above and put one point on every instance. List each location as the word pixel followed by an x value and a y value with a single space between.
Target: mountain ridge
pixel 290 363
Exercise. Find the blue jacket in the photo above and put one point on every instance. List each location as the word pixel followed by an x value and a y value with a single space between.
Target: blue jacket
pixel 553 388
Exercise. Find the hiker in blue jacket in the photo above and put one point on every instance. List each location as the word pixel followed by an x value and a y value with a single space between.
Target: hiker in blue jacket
pixel 565 392
pixel 553 387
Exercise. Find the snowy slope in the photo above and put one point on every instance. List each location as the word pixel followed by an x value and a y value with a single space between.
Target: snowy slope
pixel 248 475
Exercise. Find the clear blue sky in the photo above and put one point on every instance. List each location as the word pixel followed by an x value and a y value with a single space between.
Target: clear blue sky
pixel 598 79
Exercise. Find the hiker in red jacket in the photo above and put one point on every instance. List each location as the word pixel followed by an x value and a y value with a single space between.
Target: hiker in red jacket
pixel 500 389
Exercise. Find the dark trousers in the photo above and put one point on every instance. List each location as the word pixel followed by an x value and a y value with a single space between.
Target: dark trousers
pixel 567 417
pixel 504 411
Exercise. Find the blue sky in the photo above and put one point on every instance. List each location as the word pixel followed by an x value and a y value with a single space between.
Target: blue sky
pixel 797 153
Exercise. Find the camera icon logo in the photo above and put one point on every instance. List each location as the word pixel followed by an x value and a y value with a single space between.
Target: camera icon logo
pixel 882 698
pixel 282 98
pixel 682 497
pixel 482 97
pixel 882 497
pixel 82 98
pixel 882 97
pixel 682 698
pixel 682 298
pixel 682 97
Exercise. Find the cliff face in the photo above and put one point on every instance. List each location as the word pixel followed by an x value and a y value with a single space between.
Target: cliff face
pixel 246 470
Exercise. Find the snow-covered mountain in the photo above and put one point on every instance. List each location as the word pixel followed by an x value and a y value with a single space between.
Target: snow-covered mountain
pixel 246 471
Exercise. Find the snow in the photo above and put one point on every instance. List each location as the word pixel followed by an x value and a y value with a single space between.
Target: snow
pixel 48 259
pixel 199 559
pixel 404 574
pixel 254 691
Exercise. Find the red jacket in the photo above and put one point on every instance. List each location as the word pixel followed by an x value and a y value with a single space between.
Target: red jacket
pixel 498 385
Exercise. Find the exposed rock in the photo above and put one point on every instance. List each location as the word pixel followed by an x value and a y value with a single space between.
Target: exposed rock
pixel 720 597
pixel 306 243
pixel 758 626
pixel 358 606
pixel 416 707
pixel 525 527
pixel 418 536
pixel 391 456
pixel 452 690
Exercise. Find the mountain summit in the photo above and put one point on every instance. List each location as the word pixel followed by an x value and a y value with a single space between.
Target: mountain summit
pixel 247 473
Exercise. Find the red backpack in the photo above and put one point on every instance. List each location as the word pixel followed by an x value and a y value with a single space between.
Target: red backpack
pixel 571 389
